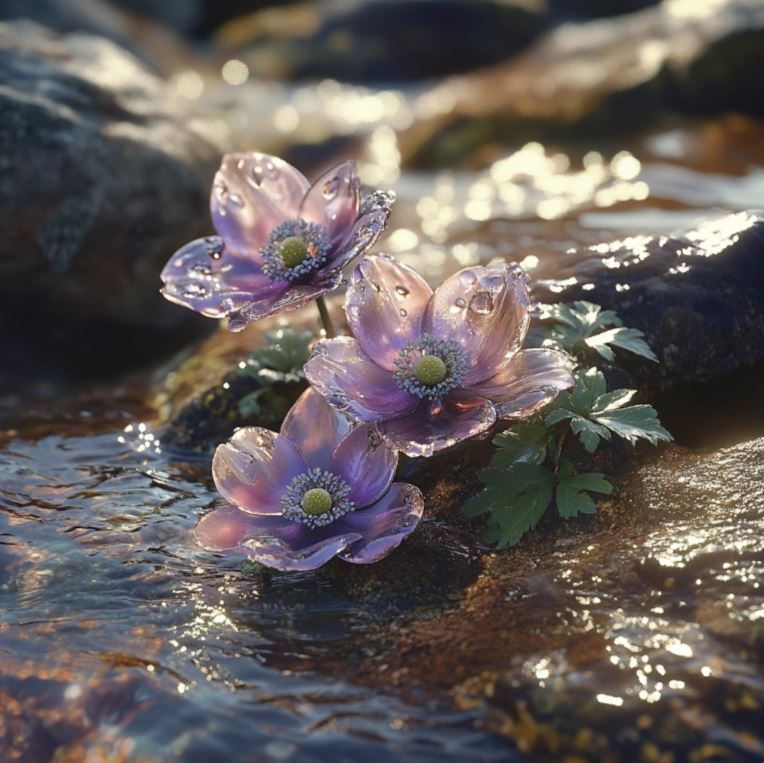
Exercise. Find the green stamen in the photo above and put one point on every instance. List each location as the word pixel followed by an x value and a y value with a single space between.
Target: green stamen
pixel 430 370
pixel 293 251
pixel 316 501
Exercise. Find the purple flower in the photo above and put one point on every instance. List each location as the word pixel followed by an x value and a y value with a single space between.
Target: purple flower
pixel 434 368
pixel 318 489
pixel 282 242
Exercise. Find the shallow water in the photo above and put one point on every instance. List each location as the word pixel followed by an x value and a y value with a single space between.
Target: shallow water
pixel 121 640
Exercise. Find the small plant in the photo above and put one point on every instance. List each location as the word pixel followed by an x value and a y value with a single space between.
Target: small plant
pixel 280 361
pixel 529 471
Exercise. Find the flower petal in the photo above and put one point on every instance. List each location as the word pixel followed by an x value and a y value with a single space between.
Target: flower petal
pixel 290 297
pixel 385 305
pixel 383 525
pixel 436 426
pixel 316 427
pixel 486 311
pixel 251 194
pixel 206 276
pixel 346 377
pixel 372 220
pixel 364 461
pixel 272 540
pixel 332 201
pixel 252 469
pixel 526 382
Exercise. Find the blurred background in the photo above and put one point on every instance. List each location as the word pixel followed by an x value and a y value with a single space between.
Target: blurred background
pixel 524 129
pixel 517 128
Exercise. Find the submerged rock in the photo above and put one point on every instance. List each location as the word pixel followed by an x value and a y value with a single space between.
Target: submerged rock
pixel 698 296
pixel 104 175
pixel 372 41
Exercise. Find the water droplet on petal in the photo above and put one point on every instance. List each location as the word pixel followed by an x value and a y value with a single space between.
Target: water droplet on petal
pixel 481 303
pixel 329 190
pixel 194 291
pixel 494 283
pixel 235 200
pixel 402 290
pixel 403 312
pixel 467 277
pixel 459 304
pixel 202 270
pixel 374 285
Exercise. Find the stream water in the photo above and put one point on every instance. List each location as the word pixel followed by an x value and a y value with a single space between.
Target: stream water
pixel 120 640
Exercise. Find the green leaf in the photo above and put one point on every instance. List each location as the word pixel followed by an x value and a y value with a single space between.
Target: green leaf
pixel 516 498
pixel 580 325
pixel 525 442
pixel 282 359
pixel 635 422
pixel 594 413
pixel 572 491
pixel 249 405
pixel 631 340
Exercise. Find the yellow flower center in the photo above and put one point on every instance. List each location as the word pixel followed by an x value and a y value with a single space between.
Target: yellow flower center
pixel 293 251
pixel 316 501
pixel 430 370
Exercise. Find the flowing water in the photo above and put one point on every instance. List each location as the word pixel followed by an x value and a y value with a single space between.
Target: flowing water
pixel 122 641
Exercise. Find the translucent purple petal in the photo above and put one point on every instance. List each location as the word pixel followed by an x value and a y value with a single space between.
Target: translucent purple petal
pixel 315 427
pixel 252 469
pixel 290 297
pixel 332 201
pixel 436 426
pixel 251 194
pixel 526 382
pixel 206 276
pixel 385 305
pixel 486 311
pixel 345 376
pixel 383 525
pixel 364 461
pixel 373 217
pixel 273 541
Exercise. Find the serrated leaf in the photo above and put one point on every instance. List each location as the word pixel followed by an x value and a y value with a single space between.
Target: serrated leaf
pixel 635 422
pixel 631 340
pixel 285 354
pixel 525 442
pixel 571 495
pixel 516 498
pixel 589 432
pixel 594 413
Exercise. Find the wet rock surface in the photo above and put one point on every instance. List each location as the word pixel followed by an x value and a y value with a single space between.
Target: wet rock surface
pixel 634 635
pixel 104 176
pixel 696 295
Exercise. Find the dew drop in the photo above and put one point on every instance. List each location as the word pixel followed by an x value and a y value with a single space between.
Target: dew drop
pixel 493 283
pixel 202 270
pixel 468 277
pixel 374 285
pixel 402 290
pixel 329 190
pixel 403 312
pixel 481 303
pixel 234 199
pixel 194 291
pixel 459 304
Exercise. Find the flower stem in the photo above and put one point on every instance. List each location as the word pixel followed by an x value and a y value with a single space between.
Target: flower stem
pixel 560 442
pixel 326 321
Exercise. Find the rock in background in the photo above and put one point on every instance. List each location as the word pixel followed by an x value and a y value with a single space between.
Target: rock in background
pixel 104 175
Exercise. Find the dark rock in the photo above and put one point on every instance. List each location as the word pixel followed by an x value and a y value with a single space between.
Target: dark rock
pixel 104 175
pixel 593 9
pixel 698 296
pixel 373 41
pixel 594 78
pixel 156 45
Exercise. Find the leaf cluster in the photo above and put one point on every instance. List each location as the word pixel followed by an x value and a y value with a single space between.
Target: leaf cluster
pixel 281 360
pixel 529 472
pixel 581 326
